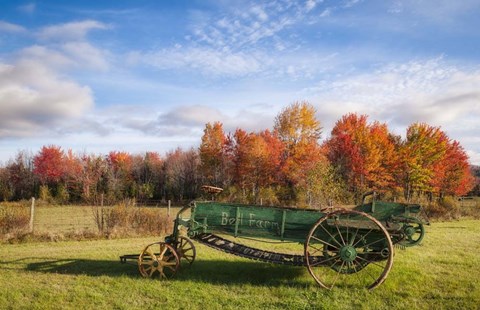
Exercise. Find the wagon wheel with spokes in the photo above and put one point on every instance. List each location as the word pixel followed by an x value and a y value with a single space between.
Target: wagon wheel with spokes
pixel 348 248
pixel 186 249
pixel 158 259
pixel 414 233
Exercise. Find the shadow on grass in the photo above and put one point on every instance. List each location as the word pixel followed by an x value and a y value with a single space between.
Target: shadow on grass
pixel 210 271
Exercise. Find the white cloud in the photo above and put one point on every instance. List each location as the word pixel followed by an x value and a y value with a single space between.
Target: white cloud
pixel 241 27
pixel 438 10
pixel 35 99
pixel 69 54
pixel 310 5
pixel 351 3
pixel 11 28
pixel 28 8
pixel 188 121
pixel 72 31
pixel 52 58
pixel 87 55
pixel 325 13
pixel 208 61
pixel 259 13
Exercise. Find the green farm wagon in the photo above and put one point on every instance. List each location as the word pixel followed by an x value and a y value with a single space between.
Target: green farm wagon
pixel 348 247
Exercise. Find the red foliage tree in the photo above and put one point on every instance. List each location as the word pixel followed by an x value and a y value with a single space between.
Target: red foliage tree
pixel 49 164
pixel 364 153
pixel 457 177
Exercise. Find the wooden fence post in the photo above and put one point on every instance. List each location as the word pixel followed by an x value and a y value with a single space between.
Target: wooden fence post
pixel 32 213
pixel 168 210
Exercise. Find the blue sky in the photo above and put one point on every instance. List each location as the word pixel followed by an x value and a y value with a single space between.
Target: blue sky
pixel 96 76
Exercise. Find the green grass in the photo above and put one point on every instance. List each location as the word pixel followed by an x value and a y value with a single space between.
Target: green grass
pixel 442 273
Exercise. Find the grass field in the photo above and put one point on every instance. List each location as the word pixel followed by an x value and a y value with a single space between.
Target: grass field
pixel 442 273
pixel 69 219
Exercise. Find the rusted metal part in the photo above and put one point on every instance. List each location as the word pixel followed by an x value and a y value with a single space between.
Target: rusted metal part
pixel 158 259
pixel 186 249
pixel 211 189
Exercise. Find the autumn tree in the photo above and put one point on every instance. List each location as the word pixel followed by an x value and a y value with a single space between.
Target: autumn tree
pixel 72 168
pixel 5 188
pixel 325 186
pixel 181 173
pixel 422 153
pixel 148 175
pixel 92 177
pixel 19 181
pixel 457 178
pixel 238 146
pixel 49 167
pixel 299 130
pixel 212 154
pixel 297 124
pixel 49 164
pixel 475 171
pixel 364 154
pixel 120 175
pixel 274 150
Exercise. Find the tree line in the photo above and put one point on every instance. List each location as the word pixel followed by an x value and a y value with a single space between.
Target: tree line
pixel 284 165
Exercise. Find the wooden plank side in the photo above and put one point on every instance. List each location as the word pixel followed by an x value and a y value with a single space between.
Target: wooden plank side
pixel 255 220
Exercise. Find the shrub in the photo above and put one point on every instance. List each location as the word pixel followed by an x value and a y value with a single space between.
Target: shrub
pixel 123 220
pixel 14 220
pixel 268 196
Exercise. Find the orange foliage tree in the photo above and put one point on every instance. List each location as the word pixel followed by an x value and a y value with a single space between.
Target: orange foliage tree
pixel 213 154
pixel 364 153
pixel 256 160
pixel 299 130
pixel 422 153
pixel 457 179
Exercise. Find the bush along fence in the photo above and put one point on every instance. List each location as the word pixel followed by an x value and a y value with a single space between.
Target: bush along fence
pixel 34 219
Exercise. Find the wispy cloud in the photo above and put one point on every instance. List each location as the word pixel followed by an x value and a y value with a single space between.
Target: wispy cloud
pixel 70 31
pixel 11 28
pixel 207 61
pixel 27 8
pixel 431 91
pixel 87 55
pixel 236 42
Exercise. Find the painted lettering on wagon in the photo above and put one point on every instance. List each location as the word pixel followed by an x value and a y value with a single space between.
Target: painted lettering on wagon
pixel 251 222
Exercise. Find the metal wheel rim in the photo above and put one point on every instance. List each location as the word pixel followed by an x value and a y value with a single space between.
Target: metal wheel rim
pixel 186 249
pixel 411 241
pixel 312 266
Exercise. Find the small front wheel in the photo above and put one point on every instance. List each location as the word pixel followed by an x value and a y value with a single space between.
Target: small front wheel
pixel 348 248
pixel 158 259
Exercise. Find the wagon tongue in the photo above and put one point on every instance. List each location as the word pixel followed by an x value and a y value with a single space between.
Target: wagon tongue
pixel 230 247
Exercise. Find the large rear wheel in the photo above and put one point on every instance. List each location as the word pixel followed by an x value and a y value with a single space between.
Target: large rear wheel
pixel 348 248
